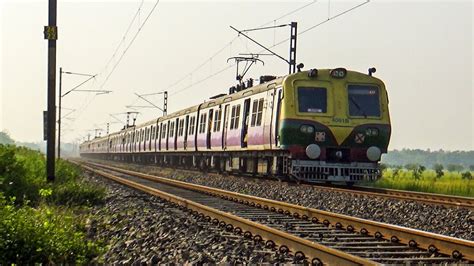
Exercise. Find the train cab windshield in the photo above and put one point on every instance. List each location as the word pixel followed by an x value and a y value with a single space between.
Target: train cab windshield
pixel 312 100
pixel 364 100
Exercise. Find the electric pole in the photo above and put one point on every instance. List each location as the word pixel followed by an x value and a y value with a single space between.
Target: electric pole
pixel 59 111
pixel 61 72
pixel 51 34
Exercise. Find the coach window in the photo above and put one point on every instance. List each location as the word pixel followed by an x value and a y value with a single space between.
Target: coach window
pixel 363 100
pixel 235 117
pixel 312 100
pixel 171 129
pixel 257 111
pixel 232 117
pixel 163 132
pixel 180 127
pixel 217 121
pixel 190 125
pixel 202 123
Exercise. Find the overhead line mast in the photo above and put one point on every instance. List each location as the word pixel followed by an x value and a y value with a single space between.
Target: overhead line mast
pixel 51 34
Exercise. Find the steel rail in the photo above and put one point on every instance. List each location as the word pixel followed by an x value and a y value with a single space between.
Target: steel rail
pixel 310 249
pixel 429 198
pixel 457 248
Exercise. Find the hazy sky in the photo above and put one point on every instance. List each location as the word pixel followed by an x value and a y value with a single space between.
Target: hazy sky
pixel 422 50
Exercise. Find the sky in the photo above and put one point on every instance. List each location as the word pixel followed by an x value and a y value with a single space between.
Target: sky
pixel 422 51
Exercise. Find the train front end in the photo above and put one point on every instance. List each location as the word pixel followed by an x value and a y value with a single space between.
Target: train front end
pixel 335 124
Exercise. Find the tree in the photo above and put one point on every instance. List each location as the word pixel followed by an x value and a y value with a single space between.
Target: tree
pixel 467 175
pixel 418 171
pixel 455 167
pixel 471 167
pixel 438 169
pixel 412 166
pixel 5 138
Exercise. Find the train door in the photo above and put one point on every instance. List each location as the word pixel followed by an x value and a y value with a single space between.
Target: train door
pixel 168 130
pixel 208 135
pixel 268 121
pixel 152 135
pixel 145 138
pixel 225 126
pixel 176 134
pixel 159 136
pixel 186 125
pixel 276 115
pixel 245 124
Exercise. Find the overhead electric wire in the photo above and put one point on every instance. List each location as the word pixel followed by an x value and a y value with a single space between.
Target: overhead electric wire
pixel 124 35
pixel 279 43
pixel 222 49
pixel 323 22
pixel 202 80
pixel 289 13
pixel 203 63
pixel 130 44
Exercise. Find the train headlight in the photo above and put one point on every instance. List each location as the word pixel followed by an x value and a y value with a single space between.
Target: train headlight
pixel 374 153
pixel 313 151
pixel 372 131
pixel 338 73
pixel 307 129
pixel 312 73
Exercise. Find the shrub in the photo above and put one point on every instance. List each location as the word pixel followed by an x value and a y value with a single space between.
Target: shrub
pixel 42 235
pixel 467 175
pixel 455 167
pixel 22 175
pixel 37 223
pixel 451 183
pixel 438 169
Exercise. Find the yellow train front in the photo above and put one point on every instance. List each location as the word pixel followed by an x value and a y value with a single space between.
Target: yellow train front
pixel 335 124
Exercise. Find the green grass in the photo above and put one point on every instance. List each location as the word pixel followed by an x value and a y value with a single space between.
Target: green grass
pixel 450 183
pixel 43 222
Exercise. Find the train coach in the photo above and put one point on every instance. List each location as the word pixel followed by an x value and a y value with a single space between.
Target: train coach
pixel 320 125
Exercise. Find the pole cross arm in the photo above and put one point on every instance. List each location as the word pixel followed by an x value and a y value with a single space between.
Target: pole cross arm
pixel 261 45
pixel 82 83
pixel 146 100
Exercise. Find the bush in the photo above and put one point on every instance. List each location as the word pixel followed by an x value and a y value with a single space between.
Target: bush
pixel 42 235
pixel 455 167
pixel 38 223
pixel 452 183
pixel 19 174
pixel 438 169
pixel 22 175
pixel 467 175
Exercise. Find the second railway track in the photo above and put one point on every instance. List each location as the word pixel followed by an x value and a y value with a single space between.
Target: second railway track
pixel 424 197
pixel 318 235
pixel 430 198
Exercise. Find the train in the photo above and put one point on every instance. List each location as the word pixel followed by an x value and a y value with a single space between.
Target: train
pixel 317 125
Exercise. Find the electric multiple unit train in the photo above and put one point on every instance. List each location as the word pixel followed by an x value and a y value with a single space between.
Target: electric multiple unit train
pixel 320 125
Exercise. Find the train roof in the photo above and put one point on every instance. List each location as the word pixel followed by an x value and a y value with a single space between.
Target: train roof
pixel 213 102
pixel 224 98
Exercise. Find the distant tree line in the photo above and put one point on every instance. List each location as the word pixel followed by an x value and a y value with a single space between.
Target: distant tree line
pixel 436 160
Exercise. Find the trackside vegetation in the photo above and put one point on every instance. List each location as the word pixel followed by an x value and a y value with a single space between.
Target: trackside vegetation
pixel 43 222
pixel 418 178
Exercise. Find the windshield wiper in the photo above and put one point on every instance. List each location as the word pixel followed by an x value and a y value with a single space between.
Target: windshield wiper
pixel 358 107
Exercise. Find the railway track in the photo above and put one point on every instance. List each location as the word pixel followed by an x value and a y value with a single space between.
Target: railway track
pixel 429 198
pixel 319 236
